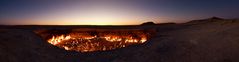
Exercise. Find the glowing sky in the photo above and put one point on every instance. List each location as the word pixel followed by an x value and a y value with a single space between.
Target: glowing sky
pixel 112 12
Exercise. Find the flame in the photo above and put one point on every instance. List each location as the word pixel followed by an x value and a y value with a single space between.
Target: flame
pixel 83 42
pixel 112 38
pixel 58 39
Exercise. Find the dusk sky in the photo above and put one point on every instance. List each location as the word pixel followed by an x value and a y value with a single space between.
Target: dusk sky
pixel 112 12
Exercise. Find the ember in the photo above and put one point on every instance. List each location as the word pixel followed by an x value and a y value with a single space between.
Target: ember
pixel 83 41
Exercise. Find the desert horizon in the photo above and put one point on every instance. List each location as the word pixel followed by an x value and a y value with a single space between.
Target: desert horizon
pixel 119 31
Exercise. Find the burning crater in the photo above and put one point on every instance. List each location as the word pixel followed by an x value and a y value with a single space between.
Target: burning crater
pixel 88 40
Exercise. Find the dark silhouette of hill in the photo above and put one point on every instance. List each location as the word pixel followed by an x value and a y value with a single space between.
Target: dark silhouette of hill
pixel 148 23
pixel 212 19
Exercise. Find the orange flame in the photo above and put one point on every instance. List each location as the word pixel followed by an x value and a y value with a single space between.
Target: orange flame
pixel 58 39
pixel 86 43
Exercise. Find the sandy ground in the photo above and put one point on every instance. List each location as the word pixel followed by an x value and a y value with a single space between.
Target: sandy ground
pixel 209 40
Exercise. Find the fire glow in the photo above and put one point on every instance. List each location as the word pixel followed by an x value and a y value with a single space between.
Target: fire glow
pixel 98 41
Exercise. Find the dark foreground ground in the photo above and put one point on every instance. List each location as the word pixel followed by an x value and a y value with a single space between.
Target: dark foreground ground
pixel 209 40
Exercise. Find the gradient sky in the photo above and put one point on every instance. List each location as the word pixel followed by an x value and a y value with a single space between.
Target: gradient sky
pixel 112 12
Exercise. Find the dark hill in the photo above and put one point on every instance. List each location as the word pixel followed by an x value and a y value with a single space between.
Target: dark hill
pixel 148 23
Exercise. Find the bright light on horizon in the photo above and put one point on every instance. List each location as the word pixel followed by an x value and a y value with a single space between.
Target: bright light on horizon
pixel 92 14
pixel 88 13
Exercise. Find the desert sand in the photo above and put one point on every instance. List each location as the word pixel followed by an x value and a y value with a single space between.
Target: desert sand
pixel 207 40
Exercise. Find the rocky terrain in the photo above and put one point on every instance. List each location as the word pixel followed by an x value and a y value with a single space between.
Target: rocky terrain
pixel 207 40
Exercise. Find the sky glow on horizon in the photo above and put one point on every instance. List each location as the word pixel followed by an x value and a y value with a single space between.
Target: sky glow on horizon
pixel 112 12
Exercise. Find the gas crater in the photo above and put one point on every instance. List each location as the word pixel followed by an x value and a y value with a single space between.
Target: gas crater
pixel 90 40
